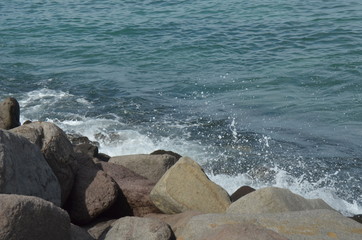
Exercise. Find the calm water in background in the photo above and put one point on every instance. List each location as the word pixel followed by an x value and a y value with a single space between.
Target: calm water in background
pixel 264 93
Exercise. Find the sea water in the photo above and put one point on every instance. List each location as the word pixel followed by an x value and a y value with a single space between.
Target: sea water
pixel 260 93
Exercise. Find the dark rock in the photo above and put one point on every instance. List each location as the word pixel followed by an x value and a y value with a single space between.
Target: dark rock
pixel 135 188
pixel 87 148
pixel 57 151
pixel 24 171
pixel 9 113
pixel 150 166
pixel 77 139
pixel 103 157
pixel 139 228
pixel 242 191
pixel 357 218
pixel 78 233
pixel 160 152
pixel 27 217
pixel 93 192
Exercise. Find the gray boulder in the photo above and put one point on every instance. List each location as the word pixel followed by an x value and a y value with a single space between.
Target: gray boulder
pixel 136 228
pixel 272 200
pixel 149 166
pixel 78 233
pixel 24 171
pixel 30 218
pixel 57 151
pixel 9 113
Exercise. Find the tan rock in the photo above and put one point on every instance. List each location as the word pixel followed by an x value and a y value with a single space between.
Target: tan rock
pixel 297 225
pixel 272 200
pixel 185 186
pixel 149 166
pixel 127 228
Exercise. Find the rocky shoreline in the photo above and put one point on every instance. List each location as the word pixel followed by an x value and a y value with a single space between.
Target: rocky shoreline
pixel 58 186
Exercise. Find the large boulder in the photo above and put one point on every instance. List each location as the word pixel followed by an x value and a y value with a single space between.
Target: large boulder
pixel 185 186
pixel 297 225
pixel 273 199
pixel 9 113
pixel 57 151
pixel 149 166
pixel 139 228
pixel 135 188
pixel 93 192
pixel 176 221
pixel 28 217
pixel 24 171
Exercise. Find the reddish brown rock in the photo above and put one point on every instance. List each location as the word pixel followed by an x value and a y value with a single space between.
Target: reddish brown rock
pixel 9 113
pixel 93 192
pixel 149 166
pixel 27 217
pixel 242 191
pixel 135 188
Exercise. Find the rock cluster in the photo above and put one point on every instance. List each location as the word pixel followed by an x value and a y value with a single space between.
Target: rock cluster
pixel 56 186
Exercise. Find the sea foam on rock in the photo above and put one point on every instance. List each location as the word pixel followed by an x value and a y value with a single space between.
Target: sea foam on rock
pixel 23 169
pixel 185 186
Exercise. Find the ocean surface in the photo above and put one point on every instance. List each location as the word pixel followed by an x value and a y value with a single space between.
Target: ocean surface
pixel 260 93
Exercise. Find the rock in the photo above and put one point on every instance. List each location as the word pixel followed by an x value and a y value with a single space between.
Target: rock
pixel 78 233
pixel 160 152
pixel 176 221
pixel 93 192
pixel 135 188
pixel 28 217
pixel 357 218
pixel 24 171
pixel 87 149
pixel 185 186
pixel 9 113
pixel 77 139
pixel 100 227
pixel 57 151
pixel 238 232
pixel 149 166
pixel 242 191
pixel 272 200
pixel 297 225
pixel 139 228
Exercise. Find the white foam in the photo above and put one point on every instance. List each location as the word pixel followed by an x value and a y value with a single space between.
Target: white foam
pixel 309 190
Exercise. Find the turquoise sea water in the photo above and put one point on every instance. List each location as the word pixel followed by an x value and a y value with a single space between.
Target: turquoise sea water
pixel 243 87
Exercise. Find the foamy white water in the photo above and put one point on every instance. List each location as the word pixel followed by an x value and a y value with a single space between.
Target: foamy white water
pixel 117 138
